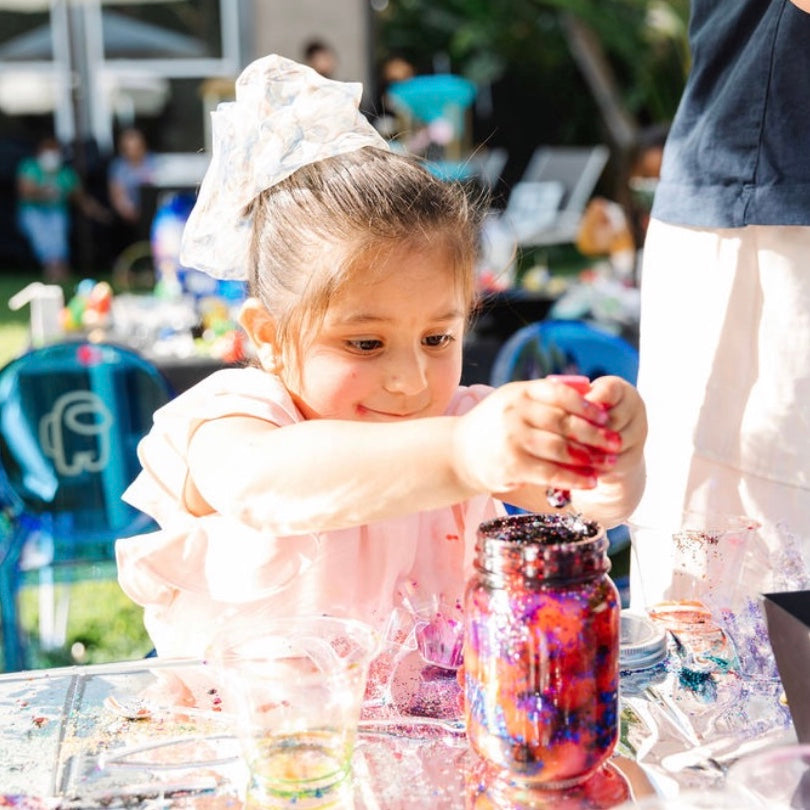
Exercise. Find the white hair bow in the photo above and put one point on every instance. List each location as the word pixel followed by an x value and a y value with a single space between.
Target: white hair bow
pixel 285 116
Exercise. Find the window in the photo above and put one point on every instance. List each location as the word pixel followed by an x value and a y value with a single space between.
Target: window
pixel 187 29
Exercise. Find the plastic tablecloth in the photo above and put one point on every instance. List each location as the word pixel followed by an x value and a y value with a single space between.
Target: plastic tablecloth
pixel 64 745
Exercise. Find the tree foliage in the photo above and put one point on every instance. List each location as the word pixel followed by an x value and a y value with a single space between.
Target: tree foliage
pixel 524 45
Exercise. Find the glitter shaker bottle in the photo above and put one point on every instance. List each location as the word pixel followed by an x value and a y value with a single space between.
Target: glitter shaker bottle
pixel 541 649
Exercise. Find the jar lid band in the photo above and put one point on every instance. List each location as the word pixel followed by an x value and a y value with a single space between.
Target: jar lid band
pixel 642 643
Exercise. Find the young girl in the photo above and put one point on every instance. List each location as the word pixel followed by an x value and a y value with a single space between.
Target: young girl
pixel 348 471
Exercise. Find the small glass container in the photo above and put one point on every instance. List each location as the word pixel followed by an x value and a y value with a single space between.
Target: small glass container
pixel 541 649
pixel 643 654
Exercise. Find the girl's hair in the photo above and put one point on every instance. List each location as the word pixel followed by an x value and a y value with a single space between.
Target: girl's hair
pixel 326 222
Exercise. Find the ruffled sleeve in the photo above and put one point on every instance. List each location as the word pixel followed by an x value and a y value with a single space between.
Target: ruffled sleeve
pixel 163 453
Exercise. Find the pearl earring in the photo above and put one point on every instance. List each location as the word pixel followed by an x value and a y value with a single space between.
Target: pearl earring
pixel 269 359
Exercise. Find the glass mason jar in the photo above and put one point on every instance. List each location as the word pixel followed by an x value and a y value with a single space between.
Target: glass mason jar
pixel 541 649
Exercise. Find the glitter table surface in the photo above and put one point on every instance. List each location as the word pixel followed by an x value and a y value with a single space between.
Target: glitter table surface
pixel 65 742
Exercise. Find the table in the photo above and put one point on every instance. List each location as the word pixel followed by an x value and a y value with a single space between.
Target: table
pixel 60 738
pixel 184 372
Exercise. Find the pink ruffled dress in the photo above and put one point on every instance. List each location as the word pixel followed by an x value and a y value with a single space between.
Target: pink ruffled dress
pixel 196 572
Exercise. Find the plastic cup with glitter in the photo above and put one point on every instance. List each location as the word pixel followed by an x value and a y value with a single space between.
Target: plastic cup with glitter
pixel 295 687
pixel 397 642
pixel 688 578
pixel 439 628
pixel 696 560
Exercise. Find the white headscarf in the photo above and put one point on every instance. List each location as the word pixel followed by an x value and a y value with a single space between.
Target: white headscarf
pixel 285 116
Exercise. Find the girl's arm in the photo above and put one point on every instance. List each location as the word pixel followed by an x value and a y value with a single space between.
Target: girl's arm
pixel 29 189
pixel 325 474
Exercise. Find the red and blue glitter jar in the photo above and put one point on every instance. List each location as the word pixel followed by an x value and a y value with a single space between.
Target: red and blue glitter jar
pixel 541 649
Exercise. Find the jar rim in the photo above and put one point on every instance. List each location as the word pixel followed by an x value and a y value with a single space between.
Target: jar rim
pixel 543 547
pixel 541 529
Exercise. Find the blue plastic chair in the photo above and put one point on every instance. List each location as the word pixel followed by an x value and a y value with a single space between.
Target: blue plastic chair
pixel 563 347
pixel 71 417
pixel 568 347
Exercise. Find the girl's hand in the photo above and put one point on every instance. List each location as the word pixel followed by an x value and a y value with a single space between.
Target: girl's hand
pixel 627 417
pixel 542 433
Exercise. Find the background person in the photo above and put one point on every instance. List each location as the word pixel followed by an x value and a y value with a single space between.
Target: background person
pixel 46 188
pixel 132 168
pixel 645 171
pixel 321 57
pixel 348 469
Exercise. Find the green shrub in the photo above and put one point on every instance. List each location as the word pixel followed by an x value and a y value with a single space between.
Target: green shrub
pixel 103 625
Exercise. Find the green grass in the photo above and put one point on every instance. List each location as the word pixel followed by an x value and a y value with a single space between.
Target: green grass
pixel 103 623
pixel 13 339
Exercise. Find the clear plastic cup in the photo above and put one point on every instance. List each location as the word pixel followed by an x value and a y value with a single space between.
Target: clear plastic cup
pixel 295 688
pixel 776 778
pixel 686 576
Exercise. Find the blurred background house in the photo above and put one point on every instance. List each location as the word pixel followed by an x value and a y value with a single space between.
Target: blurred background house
pixel 85 70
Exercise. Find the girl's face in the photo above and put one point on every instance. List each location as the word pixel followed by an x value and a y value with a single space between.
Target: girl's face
pixel 390 344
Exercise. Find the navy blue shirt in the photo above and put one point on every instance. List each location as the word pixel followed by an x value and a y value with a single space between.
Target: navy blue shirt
pixel 738 151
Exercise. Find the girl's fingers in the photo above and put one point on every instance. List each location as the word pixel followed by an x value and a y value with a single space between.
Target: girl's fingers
pixel 550 462
pixel 566 398
pixel 547 433
pixel 612 410
pixel 592 458
pixel 572 427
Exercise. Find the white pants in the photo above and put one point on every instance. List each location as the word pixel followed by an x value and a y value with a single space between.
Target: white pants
pixel 725 374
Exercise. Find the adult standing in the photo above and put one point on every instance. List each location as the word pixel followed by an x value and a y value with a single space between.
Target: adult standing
pixel 725 289
pixel 133 168
pixel 46 187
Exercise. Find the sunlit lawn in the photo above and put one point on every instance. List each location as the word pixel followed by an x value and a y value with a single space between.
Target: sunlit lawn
pixel 103 624
pixel 13 338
